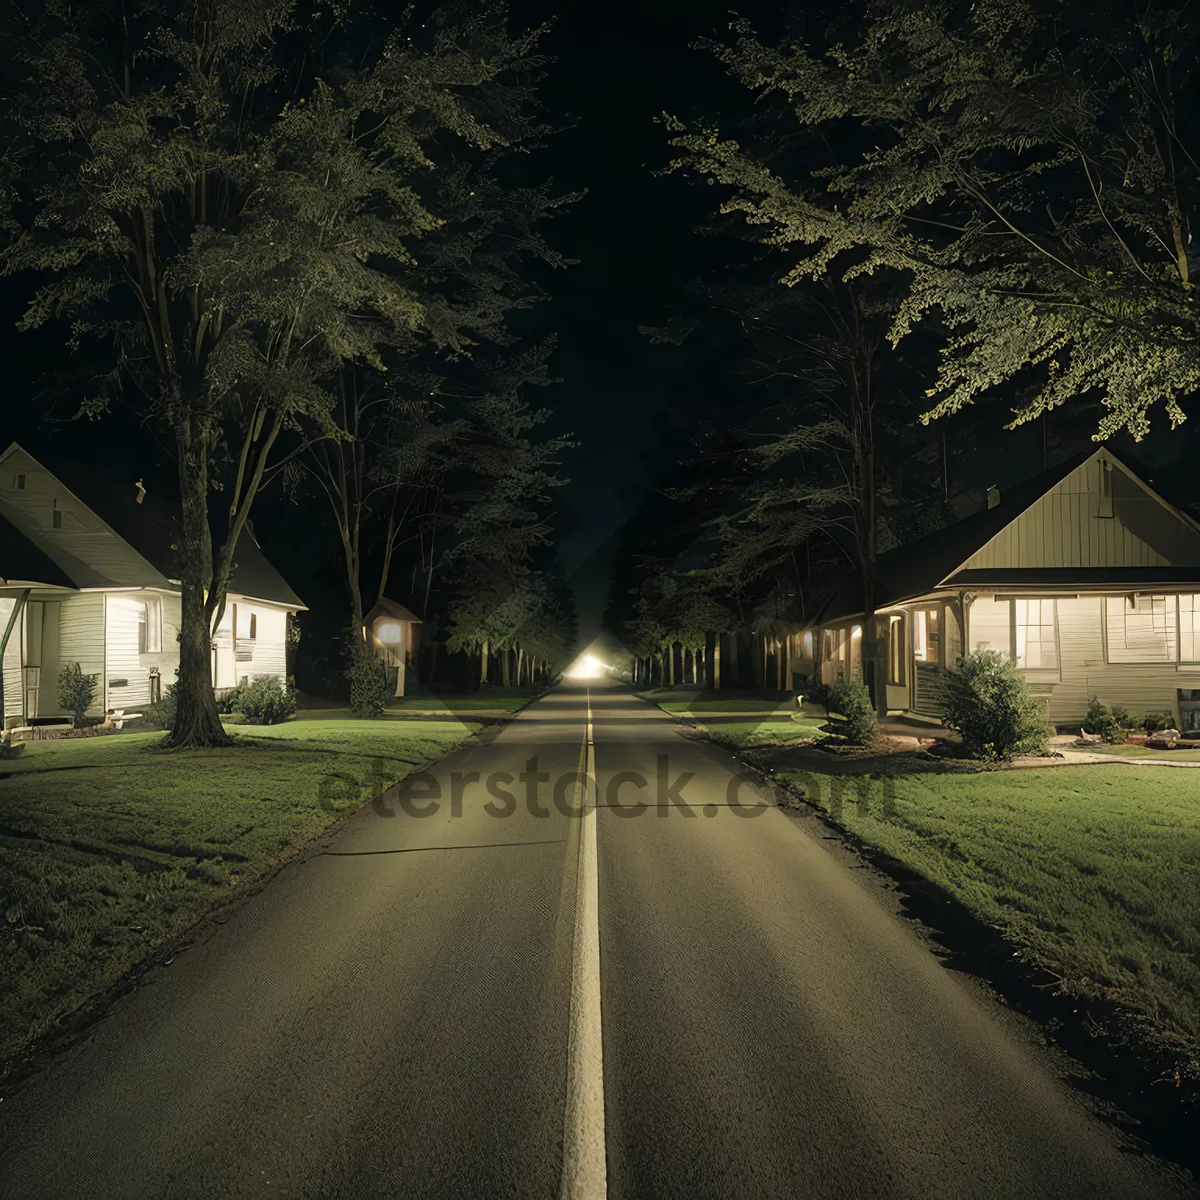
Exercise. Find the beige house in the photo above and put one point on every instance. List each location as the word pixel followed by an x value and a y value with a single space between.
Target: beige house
pixel 86 566
pixel 391 631
pixel 1085 576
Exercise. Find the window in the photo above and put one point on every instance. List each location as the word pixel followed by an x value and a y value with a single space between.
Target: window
pixel 896 655
pixel 1189 628
pixel 1140 629
pixel 253 626
pixel 927 638
pixel 1034 633
pixel 834 654
pixel 56 519
pixel 19 482
pixel 150 626
pixel 1104 500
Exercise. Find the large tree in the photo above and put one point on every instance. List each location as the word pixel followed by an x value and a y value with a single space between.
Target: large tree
pixel 1029 171
pixel 228 192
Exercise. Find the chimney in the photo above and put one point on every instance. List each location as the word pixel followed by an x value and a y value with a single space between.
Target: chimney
pixel 141 491
pixel 993 497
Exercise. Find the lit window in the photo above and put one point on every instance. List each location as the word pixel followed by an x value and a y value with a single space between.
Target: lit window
pixel 896 655
pixel 150 626
pixel 1036 640
pixel 391 633
pixel 1189 628
pixel 1141 629
pixel 927 637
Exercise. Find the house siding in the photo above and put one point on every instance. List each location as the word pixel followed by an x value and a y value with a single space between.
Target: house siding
pixel 81 640
pixel 124 660
pixel 13 701
pixel 1064 528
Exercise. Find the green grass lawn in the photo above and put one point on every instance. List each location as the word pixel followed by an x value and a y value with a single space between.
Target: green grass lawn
pixel 1126 751
pixel 1092 873
pixel 695 700
pixel 110 847
pixel 766 732
pixel 489 700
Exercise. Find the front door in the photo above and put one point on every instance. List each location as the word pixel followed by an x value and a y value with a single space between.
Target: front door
pixel 929 684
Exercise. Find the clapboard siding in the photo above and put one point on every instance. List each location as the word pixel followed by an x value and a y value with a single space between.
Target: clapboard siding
pixel 81 640
pixel 270 646
pixel 83 545
pixel 1063 528
pixel 124 660
pixel 13 705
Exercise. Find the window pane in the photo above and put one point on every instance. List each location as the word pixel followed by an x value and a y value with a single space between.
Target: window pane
pixel 1189 628
pixel 1036 644
pixel 1140 628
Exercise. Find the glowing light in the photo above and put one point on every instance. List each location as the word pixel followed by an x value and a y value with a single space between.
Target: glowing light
pixel 389 631
pixel 587 667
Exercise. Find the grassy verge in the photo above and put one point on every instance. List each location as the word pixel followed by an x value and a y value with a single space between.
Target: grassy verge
pixel 110 848
pixel 696 700
pixel 1091 874
pixel 767 732
pixel 1126 751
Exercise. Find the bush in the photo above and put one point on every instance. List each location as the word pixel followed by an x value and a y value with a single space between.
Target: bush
pixel 266 700
pixel 161 714
pixel 229 700
pixel 851 700
pixel 370 685
pixel 990 705
pixel 76 691
pixel 1097 720
pixel 1153 722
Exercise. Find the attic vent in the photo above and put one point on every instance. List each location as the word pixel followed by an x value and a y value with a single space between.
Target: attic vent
pixel 19 482
pixel 141 491
pixel 993 497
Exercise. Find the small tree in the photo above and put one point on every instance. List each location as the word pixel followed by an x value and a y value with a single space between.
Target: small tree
pixel 990 705
pixel 76 691
pixel 370 688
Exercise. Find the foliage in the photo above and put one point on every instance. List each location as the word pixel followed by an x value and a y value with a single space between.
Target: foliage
pixel 266 700
pixel 229 700
pixel 76 691
pixel 1152 722
pixel 370 687
pixel 1096 720
pixel 195 191
pixel 850 699
pixel 990 705
pixel 161 714
pixel 1027 171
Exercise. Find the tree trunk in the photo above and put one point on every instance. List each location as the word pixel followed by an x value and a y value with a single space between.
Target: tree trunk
pixel 197 722
pixel 483 664
pixel 717 663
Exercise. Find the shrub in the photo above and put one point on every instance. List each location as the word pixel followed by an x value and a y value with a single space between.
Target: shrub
pixel 266 700
pixel 161 714
pixel 1152 722
pixel 76 691
pixel 229 700
pixel 1097 720
pixel 990 705
pixel 370 685
pixel 851 700
pixel 817 693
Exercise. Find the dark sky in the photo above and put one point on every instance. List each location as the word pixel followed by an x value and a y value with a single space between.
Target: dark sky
pixel 619 66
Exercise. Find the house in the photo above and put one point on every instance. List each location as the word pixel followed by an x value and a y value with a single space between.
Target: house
pixel 391 631
pixel 1085 576
pixel 87 575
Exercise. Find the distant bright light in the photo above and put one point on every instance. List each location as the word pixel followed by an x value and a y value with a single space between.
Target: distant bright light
pixel 587 667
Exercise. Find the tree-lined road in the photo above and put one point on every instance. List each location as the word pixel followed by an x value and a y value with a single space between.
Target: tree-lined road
pixel 391 1016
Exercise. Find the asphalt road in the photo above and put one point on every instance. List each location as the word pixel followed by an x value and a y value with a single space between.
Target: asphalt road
pixel 392 1016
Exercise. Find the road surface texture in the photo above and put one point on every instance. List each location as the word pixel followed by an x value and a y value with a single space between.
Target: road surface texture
pixel 392 1016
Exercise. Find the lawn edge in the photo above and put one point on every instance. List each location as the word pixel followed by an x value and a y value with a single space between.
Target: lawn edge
pixel 37 1053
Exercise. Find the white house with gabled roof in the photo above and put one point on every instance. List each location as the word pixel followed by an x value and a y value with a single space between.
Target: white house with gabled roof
pixel 1085 576
pixel 88 574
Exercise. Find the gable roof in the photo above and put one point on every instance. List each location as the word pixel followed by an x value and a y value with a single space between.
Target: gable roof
pixel 152 529
pixel 389 608
pixel 21 562
pixel 940 558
